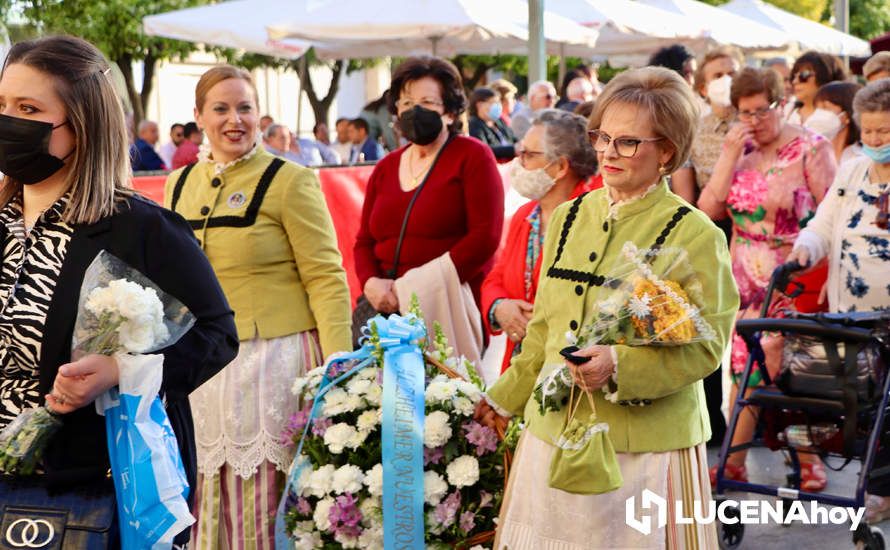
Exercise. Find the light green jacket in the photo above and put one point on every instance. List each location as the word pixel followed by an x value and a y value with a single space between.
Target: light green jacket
pixel 583 243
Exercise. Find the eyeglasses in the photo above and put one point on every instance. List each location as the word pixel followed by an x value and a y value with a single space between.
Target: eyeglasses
pixel 427 103
pixel 802 76
pixel 882 220
pixel 525 154
pixel 625 146
pixel 759 114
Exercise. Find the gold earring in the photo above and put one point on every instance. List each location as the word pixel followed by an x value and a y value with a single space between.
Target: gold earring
pixel 661 169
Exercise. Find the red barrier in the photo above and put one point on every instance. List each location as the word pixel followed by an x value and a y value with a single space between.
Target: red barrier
pixel 151 187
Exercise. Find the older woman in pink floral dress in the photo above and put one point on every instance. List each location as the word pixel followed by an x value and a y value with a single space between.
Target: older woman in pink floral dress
pixel 770 178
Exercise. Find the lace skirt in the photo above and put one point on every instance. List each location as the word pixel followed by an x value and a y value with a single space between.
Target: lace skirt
pixel 535 516
pixel 241 412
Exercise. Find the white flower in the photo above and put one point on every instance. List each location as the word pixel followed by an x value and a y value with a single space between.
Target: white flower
pixel 371 538
pixel 368 420
pixel 434 488
pixel 143 327
pixel 468 389
pixel 358 386
pixel 335 402
pixel 463 406
pixel 440 389
pixel 436 429
pixel 374 480
pixel 338 436
pixel 463 471
pixel 357 439
pixel 306 537
pixel 372 512
pixel 639 306
pixel 347 479
pixel 346 541
pixel 322 513
pixel 136 337
pixel 571 339
pixel 299 385
pixel 319 483
pixel 478 547
pixel 374 396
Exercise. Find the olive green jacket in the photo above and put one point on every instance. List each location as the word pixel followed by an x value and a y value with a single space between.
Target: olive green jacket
pixel 661 401
pixel 265 227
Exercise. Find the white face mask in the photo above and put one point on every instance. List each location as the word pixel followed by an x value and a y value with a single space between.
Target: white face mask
pixel 824 122
pixel 531 184
pixel 718 91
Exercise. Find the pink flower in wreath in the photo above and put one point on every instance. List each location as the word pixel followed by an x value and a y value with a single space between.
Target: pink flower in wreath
pixel 748 191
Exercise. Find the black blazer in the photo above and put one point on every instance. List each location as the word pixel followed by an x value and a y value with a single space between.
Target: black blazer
pixel 492 137
pixel 162 246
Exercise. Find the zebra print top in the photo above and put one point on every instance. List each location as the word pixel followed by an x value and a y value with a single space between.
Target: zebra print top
pixel 31 265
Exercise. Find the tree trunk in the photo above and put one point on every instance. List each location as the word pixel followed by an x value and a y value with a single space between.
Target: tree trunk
pixel 321 106
pixel 125 63
pixel 149 64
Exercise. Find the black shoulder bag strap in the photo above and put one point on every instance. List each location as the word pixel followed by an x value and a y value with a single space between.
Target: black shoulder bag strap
pixel 395 262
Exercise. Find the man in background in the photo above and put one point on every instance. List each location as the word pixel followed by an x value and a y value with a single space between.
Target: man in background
pixel 187 152
pixel 541 95
pixel 364 149
pixel 343 146
pixel 142 153
pixel 168 149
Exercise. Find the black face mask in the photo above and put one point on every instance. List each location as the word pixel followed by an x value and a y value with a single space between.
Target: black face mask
pixel 24 149
pixel 420 126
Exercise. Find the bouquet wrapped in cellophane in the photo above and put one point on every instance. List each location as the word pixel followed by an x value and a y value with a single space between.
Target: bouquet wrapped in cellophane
pixel 649 298
pixel 121 313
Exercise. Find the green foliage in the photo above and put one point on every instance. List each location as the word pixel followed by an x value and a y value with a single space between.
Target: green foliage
pixel 869 18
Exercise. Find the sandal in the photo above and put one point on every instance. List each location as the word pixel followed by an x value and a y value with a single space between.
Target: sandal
pixel 733 473
pixel 812 477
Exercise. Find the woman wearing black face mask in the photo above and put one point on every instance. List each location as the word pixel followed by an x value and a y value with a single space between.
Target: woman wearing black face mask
pixel 65 197
pixel 445 191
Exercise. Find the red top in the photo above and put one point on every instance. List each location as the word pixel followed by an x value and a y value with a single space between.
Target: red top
pixel 186 153
pixel 507 277
pixel 460 210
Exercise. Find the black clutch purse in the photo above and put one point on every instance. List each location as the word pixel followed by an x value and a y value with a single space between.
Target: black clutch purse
pixel 34 516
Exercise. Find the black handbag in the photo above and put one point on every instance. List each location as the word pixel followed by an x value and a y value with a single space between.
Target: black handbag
pixel 34 516
pixel 364 311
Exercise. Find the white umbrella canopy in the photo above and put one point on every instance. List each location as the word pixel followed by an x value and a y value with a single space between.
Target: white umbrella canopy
pixel 724 27
pixel 628 29
pixel 363 29
pixel 239 24
pixel 810 35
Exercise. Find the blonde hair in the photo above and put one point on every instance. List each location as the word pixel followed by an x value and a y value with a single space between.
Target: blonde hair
pixel 504 88
pixel 216 75
pixel 730 52
pixel 99 174
pixel 673 109
pixel 876 63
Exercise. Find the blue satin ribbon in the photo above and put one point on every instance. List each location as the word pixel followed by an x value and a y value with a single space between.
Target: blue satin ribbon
pixel 402 430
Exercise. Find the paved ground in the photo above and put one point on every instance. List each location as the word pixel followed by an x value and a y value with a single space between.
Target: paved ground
pixel 768 468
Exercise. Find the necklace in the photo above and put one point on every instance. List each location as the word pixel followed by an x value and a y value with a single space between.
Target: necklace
pixel 415 176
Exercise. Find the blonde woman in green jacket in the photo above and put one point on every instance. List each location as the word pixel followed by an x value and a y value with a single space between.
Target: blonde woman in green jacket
pixel 266 230
pixel 642 129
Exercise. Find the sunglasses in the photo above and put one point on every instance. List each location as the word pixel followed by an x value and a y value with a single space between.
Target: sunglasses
pixel 803 76
pixel 882 220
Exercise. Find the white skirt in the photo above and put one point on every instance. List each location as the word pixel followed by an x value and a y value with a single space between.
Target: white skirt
pixel 241 413
pixel 536 516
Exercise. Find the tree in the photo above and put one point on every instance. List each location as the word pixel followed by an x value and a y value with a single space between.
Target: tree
pixel 115 27
pixel 869 18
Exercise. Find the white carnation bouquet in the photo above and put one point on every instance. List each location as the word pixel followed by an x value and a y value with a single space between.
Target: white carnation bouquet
pixel 338 498
pixel 122 314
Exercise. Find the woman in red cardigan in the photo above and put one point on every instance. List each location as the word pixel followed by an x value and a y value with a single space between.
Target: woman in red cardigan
pixel 553 164
pixel 460 208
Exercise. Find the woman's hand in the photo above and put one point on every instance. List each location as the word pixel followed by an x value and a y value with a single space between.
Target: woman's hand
pixel 513 316
pixel 79 383
pixel 595 373
pixel 800 255
pixel 381 295
pixel 738 135
pixel 487 416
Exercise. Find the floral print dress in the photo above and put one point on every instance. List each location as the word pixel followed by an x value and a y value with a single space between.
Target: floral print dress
pixel 768 211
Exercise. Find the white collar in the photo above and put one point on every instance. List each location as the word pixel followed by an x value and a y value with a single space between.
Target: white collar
pixel 204 155
pixel 614 205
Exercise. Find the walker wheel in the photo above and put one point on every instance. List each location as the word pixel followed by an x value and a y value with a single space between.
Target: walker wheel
pixel 869 538
pixel 730 535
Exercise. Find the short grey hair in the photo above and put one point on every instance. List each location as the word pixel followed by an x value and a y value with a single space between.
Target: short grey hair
pixel 540 85
pixel 272 129
pixel 874 98
pixel 145 124
pixel 565 135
